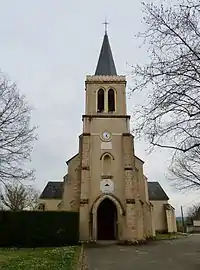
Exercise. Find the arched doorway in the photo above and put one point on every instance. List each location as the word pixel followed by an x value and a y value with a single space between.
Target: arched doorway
pixel 107 220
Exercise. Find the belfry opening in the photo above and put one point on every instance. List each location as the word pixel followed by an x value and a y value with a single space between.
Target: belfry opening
pixel 107 220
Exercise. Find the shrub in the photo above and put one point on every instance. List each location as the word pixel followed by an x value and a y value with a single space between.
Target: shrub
pixel 35 228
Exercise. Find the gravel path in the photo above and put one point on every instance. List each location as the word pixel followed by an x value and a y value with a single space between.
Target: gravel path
pixel 180 254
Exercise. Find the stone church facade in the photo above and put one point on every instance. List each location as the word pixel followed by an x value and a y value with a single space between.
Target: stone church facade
pixel 105 182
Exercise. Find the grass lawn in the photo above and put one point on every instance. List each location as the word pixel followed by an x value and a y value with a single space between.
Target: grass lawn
pixel 39 258
pixel 167 236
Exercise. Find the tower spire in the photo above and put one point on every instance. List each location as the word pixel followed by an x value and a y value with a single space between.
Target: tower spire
pixel 106 64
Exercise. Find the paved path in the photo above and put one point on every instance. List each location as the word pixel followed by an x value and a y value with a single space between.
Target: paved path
pixel 180 254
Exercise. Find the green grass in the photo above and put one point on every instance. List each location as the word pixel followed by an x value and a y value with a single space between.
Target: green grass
pixel 166 236
pixel 39 258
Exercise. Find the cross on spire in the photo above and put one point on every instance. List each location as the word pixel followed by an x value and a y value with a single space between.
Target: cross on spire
pixel 106 25
pixel 105 65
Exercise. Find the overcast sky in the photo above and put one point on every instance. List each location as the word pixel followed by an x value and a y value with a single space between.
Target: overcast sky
pixel 48 47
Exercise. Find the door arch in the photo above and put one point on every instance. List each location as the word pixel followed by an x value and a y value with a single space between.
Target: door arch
pixel 107 220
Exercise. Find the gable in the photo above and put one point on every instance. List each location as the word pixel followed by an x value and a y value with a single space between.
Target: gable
pixel 68 161
pixel 156 192
pixel 140 160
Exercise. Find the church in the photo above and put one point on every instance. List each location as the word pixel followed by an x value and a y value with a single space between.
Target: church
pixel 105 181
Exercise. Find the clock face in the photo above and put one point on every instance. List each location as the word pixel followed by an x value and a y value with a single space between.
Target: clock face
pixel 106 135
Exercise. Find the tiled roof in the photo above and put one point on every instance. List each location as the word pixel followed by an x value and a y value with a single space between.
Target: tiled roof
pixel 53 190
pixel 156 193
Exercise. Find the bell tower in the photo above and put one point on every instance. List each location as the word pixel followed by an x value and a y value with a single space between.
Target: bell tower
pixel 107 156
pixel 105 91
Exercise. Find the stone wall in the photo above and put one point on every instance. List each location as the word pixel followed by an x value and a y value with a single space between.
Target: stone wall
pixel 50 204
pixel 130 190
pixel 85 184
pixel 159 216
pixel 170 218
pixel 71 193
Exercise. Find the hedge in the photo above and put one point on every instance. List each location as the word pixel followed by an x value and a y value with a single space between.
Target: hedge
pixel 37 229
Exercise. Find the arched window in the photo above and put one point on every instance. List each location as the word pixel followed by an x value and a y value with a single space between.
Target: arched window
pixel 100 100
pixel 111 100
pixel 106 164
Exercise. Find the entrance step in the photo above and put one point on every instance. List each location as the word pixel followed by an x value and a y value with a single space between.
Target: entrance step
pixel 101 244
pixel 106 242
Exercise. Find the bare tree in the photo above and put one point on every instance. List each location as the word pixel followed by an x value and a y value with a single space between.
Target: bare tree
pixel 184 170
pixel 16 134
pixel 192 214
pixel 17 196
pixel 171 116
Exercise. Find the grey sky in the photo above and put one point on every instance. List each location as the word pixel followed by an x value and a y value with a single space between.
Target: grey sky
pixel 48 47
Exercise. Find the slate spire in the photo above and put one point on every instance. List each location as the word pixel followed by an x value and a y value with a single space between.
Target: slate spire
pixel 105 65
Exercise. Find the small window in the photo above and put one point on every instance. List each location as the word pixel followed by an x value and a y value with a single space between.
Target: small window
pixel 111 100
pixel 100 100
pixel 41 207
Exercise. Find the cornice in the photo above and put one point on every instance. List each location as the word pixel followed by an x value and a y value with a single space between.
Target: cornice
pixel 90 116
pixel 105 79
